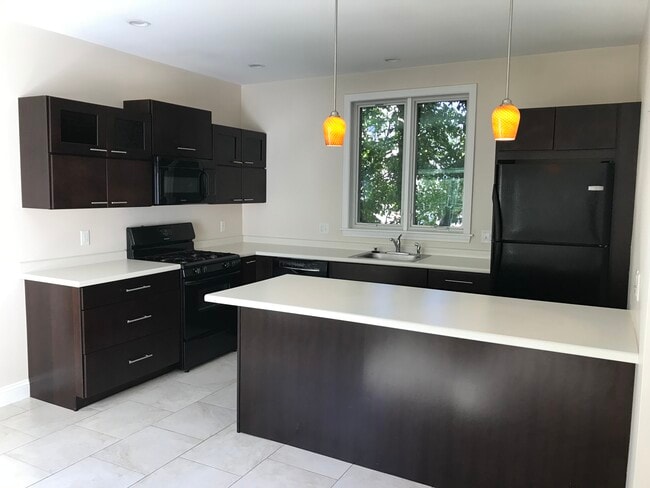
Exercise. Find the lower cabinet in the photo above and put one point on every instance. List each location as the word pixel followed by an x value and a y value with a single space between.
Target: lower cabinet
pixel 393 275
pixel 248 270
pixel 87 343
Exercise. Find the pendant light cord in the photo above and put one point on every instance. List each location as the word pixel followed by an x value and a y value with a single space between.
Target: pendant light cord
pixel 336 39
pixel 509 47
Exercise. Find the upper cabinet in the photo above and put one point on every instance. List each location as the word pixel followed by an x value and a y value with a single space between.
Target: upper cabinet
pixel 584 127
pixel 177 131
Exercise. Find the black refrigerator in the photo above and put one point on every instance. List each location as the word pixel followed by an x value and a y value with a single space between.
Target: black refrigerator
pixel 551 229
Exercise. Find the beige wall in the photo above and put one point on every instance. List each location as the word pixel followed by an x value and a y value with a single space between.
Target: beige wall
pixel 305 178
pixel 639 469
pixel 35 62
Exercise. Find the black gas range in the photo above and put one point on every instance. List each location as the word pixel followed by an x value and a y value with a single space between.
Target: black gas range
pixel 208 330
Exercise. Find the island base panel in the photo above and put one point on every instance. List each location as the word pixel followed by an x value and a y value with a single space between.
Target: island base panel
pixel 447 412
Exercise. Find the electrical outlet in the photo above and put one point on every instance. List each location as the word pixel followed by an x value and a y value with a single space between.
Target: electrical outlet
pixel 324 228
pixel 84 238
pixel 486 236
pixel 222 226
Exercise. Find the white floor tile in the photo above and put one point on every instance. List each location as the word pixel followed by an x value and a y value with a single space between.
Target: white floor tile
pixel 11 439
pixel 327 466
pixel 170 395
pixel 91 472
pixel 200 420
pixel 9 411
pixel 61 449
pixel 124 419
pixel 147 450
pixel 45 419
pixel 358 477
pixel 181 472
pixel 16 474
pixel 29 403
pixel 272 474
pixel 232 452
pixel 225 397
pixel 213 376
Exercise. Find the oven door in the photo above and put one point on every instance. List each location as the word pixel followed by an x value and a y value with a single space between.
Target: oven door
pixel 179 181
pixel 202 318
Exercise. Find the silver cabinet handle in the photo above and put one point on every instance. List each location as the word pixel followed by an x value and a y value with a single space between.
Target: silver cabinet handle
pixel 250 262
pixel 99 203
pixel 181 148
pixel 119 203
pixel 249 162
pixel 97 149
pixel 309 270
pixel 139 319
pixel 146 356
pixel 462 282
pixel 249 199
pixel 237 199
pixel 115 151
pixel 237 162
pixel 595 188
pixel 143 287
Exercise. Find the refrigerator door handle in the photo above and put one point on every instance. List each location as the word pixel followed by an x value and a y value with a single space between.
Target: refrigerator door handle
pixel 496 224
pixel 595 188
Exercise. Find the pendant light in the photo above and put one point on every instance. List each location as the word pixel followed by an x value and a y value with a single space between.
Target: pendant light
pixel 334 125
pixel 505 118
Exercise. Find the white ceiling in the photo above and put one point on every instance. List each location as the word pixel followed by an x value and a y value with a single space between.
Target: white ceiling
pixel 294 38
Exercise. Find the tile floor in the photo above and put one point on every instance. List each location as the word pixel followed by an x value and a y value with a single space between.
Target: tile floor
pixel 176 430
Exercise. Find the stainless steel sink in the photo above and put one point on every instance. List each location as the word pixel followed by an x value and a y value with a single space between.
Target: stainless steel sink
pixel 391 256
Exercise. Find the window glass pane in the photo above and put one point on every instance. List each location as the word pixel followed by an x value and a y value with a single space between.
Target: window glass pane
pixel 381 142
pixel 439 163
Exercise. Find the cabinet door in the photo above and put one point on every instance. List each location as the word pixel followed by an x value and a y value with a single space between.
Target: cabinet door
pixel 586 127
pixel 393 275
pixel 228 182
pixel 128 135
pixel 248 270
pixel 253 150
pixel 226 145
pixel 129 183
pixel 535 131
pixel 264 268
pixel 179 131
pixel 78 182
pixel 77 128
pixel 254 185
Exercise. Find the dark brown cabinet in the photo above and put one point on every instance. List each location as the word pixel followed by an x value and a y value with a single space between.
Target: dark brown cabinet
pixel 536 129
pixel 459 281
pixel 86 343
pixel 240 160
pixel 177 131
pixel 85 182
pixel 393 275
pixel 81 155
pixel 248 270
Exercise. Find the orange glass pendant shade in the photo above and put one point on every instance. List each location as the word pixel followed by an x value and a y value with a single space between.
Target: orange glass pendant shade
pixel 505 121
pixel 334 130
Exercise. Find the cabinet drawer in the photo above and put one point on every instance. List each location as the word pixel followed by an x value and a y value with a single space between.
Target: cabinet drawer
pixel 131 289
pixel 122 322
pixel 118 365
pixel 393 275
pixel 459 281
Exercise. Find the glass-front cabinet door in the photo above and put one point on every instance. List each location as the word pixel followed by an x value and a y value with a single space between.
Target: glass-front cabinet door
pixel 77 128
pixel 129 134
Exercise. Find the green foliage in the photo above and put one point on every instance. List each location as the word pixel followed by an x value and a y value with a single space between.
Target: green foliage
pixel 439 163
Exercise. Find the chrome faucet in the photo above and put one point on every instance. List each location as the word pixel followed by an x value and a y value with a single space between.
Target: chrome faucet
pixel 418 248
pixel 397 242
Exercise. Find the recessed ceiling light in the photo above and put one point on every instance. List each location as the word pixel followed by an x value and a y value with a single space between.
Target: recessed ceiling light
pixel 391 60
pixel 256 66
pixel 139 23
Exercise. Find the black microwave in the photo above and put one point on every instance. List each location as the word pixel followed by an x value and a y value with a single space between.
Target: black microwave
pixel 183 181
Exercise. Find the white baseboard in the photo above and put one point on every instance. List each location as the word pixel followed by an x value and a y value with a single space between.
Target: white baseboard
pixel 14 392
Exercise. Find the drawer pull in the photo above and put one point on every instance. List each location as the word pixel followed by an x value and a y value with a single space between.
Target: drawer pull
pixel 143 287
pixel 146 356
pixel 144 317
pixel 184 148
pixel 115 151
pixel 462 282
pixel 250 262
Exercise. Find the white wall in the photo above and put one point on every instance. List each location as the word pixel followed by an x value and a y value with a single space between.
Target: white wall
pixel 639 469
pixel 36 62
pixel 305 178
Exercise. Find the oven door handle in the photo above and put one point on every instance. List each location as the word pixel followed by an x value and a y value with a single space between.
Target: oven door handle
pixel 219 278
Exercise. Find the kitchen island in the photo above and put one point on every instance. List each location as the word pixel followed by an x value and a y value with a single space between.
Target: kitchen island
pixel 449 389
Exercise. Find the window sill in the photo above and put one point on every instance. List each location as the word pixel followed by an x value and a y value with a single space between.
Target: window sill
pixel 411 235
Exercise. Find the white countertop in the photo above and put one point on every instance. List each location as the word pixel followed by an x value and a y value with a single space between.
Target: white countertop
pixel 94 274
pixel 596 332
pixel 436 261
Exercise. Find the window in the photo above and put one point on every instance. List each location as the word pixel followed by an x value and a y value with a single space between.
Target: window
pixel 409 163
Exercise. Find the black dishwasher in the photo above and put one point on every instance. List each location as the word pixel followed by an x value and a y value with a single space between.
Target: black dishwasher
pixel 307 267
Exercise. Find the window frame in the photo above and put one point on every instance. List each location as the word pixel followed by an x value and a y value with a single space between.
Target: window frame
pixel 352 105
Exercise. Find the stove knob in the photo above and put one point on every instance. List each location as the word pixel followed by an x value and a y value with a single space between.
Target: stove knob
pixel 205 269
pixel 226 265
pixel 197 271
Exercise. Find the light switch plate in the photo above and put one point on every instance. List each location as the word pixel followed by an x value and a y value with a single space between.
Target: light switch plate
pixel 84 238
pixel 486 236
pixel 324 228
pixel 222 226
